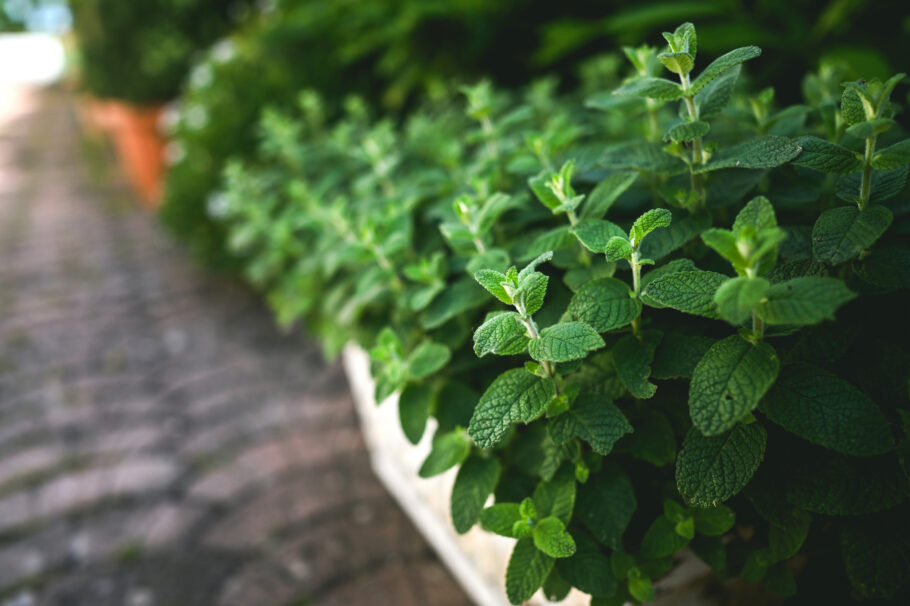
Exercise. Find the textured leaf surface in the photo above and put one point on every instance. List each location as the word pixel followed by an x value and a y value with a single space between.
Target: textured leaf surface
pixel 475 482
pixel 550 537
pixel 728 382
pixel 687 131
pixel 687 291
pixel 527 571
pixel 722 64
pixel 648 222
pixel 492 280
pixel 448 451
pixel 462 296
pixel 640 155
pixel 711 469
pixel 556 497
pixel 891 157
pixel 713 98
pixel 735 298
pixel 605 304
pixel 826 157
pixel 885 184
pixel 765 152
pixel 651 88
pixel 618 248
pixel 516 395
pixel 594 419
pixel 661 243
pixel 500 518
pixel 757 213
pixel 595 233
pixel 632 358
pixel 842 233
pixel 606 504
pixel 503 334
pixel 589 569
pixel 826 410
pixel 803 301
pixel 565 342
pixel 532 288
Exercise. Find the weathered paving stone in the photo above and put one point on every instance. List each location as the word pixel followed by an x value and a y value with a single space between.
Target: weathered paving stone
pixel 161 443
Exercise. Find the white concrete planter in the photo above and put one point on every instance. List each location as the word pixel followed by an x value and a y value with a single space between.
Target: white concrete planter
pixel 478 559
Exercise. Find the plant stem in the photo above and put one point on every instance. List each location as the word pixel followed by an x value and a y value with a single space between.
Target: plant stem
pixel 529 323
pixel 758 327
pixel 636 289
pixel 696 143
pixel 865 188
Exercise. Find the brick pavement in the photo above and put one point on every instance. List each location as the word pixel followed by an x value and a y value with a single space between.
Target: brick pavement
pixel 161 444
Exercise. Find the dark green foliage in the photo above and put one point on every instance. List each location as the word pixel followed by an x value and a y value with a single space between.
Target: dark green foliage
pixel 691 357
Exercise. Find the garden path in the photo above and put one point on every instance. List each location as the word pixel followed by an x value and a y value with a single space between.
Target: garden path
pixel 161 444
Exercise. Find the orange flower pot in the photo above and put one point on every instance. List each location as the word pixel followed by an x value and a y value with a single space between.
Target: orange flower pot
pixel 140 148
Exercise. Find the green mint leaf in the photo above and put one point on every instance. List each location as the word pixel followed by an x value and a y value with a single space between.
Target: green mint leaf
pixel 606 504
pixel 515 396
pixel 554 239
pixel 690 292
pixel 500 518
pixel 764 152
pixel 550 537
pixel 661 539
pixel 530 267
pixel 532 289
pixel 852 107
pixel 641 155
pixel 673 267
pixel 594 419
pixel 492 280
pixel 464 295
pixel 885 185
pixel 735 298
pixel 632 359
pixel 686 131
pixel 842 233
pixel 892 157
pixel 493 258
pixel 826 410
pixel 589 569
pixel 427 358
pixel 414 406
pixel 872 128
pixel 714 97
pixel 594 234
pixel 826 157
pixel 678 63
pixel 502 334
pixel 565 342
pixel 711 469
pixel 758 214
pixel 605 304
pixel 475 482
pixel 726 244
pixel 618 247
pixel 546 195
pixel 527 571
pixel 527 509
pixel 653 439
pixel 785 540
pixel 728 383
pixel 683 39
pixel 449 450
pixel 802 301
pixel 641 589
pixel 713 521
pixel 886 267
pixel 651 88
pixel 722 64
pixel 678 355
pixel 664 241
pixel 556 497
pixel 494 207
pixel 556 588
pixel 602 197
pixel 648 222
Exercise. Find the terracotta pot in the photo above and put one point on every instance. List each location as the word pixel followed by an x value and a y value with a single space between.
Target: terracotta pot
pixel 140 148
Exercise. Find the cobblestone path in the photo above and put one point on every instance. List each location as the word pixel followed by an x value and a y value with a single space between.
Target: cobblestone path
pixel 161 444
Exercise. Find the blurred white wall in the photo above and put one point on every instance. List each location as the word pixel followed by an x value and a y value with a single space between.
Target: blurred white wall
pixel 31 58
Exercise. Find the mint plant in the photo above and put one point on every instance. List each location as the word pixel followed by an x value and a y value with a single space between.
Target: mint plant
pixel 649 325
